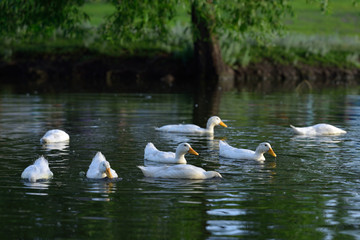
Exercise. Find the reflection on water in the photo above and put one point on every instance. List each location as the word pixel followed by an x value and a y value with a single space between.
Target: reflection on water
pixel 310 191
pixel 229 228
pixel 179 185
pixel 60 146
pixel 175 138
pixel 40 185
pixel 102 185
pixel 103 189
pixel 322 143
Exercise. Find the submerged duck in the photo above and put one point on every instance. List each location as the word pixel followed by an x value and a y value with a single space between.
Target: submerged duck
pixel 55 135
pixel 100 168
pixel 37 171
pixel 181 171
pixel 318 129
pixel 153 154
pixel 192 128
pixel 225 150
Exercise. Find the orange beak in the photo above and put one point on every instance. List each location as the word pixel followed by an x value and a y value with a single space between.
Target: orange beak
pixel 108 173
pixel 222 124
pixel 271 152
pixel 192 151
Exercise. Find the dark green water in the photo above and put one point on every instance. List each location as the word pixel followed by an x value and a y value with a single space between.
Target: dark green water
pixel 310 191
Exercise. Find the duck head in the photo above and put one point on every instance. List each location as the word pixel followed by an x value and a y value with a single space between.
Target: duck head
pixel 265 147
pixel 214 121
pixel 105 168
pixel 184 148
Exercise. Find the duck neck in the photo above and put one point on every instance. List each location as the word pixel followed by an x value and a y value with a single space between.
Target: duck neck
pixel 210 127
pixel 180 157
pixel 259 155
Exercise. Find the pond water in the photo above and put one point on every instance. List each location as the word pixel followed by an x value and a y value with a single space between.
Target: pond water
pixel 310 191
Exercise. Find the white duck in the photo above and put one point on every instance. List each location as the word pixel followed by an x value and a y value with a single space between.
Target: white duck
pixel 153 154
pixel 318 130
pixel 37 171
pixel 100 168
pixel 55 135
pixel 225 150
pixel 192 128
pixel 181 171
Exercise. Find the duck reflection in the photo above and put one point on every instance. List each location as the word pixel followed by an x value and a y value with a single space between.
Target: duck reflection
pixel 106 185
pixel 181 185
pixel 181 137
pixel 148 163
pixel 60 146
pixel 213 143
pixel 39 185
pixel 174 137
pixel 319 142
pixel 243 169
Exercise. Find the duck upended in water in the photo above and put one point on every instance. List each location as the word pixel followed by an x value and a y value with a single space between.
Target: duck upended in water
pixel 55 135
pixel 153 154
pixel 181 171
pixel 192 128
pixel 38 171
pixel 100 168
pixel 225 150
pixel 318 130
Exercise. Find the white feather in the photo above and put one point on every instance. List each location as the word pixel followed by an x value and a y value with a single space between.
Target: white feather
pixel 37 171
pixel 225 150
pixel 153 154
pixel 318 130
pixel 191 128
pixel 181 171
pixel 97 168
pixel 55 135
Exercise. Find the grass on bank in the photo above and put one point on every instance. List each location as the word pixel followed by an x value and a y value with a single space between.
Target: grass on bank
pixel 342 18
pixel 313 38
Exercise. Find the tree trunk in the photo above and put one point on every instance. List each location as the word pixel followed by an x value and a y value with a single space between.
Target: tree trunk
pixel 213 75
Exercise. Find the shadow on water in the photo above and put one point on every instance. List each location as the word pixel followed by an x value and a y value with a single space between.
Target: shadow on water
pixel 206 104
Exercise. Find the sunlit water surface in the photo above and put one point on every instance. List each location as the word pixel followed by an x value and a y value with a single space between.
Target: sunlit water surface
pixel 310 191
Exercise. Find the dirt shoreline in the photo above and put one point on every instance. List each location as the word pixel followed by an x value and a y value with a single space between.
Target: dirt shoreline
pixel 87 72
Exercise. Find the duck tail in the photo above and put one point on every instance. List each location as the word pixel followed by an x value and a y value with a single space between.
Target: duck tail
pixel 222 143
pixel 150 147
pixel 296 130
pixel 144 171
pixel 142 168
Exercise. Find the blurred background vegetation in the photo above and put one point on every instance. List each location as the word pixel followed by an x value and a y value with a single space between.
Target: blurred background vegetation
pixel 310 36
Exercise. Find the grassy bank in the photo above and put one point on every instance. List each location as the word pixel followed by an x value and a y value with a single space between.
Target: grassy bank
pixel 312 38
pixel 342 18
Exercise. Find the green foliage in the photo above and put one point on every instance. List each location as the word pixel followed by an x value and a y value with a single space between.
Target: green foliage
pixel 32 18
pixel 133 20
pixel 154 27
pixel 98 11
pixel 259 19
pixel 139 20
